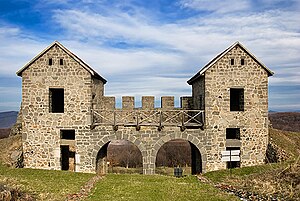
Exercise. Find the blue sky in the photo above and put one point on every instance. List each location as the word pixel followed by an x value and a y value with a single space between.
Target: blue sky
pixel 152 47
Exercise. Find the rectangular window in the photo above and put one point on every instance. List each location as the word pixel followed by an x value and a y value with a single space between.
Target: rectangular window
pixel 233 164
pixel 50 62
pixel 67 134
pixel 61 62
pixel 236 99
pixel 242 62
pixel 233 133
pixel 231 61
pixel 56 100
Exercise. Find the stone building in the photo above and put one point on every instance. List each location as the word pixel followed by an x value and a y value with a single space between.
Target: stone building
pixel 68 122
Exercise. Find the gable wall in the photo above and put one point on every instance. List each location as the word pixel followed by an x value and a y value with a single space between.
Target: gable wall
pixel 41 129
pixel 253 122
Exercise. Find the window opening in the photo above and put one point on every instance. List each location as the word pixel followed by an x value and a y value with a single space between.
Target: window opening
pixel 61 62
pixel 56 100
pixel 242 62
pixel 236 99
pixel 233 133
pixel 67 134
pixel 50 62
pixel 231 61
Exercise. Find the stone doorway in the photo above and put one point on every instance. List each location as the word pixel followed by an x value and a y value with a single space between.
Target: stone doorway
pixel 67 158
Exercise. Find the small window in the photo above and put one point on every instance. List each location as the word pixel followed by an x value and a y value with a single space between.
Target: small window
pixel 233 133
pixel 61 62
pixel 56 100
pixel 233 164
pixel 67 134
pixel 50 62
pixel 231 61
pixel 236 99
pixel 242 62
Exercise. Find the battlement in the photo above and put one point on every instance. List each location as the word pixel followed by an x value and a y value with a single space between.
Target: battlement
pixel 148 103
pixel 105 113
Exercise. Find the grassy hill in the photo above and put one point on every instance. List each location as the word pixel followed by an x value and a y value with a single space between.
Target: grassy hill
pixel 276 180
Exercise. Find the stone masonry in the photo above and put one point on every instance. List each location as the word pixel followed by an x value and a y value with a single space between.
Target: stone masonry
pixel 66 117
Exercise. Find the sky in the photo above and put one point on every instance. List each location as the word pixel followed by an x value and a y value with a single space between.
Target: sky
pixel 152 47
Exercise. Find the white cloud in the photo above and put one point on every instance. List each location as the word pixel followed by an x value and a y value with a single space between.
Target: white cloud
pixel 224 6
pixel 17 49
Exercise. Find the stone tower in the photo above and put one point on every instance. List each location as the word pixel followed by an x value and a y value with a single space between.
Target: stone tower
pixel 233 90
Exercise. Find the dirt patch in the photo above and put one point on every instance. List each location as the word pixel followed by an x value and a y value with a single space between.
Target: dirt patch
pixel 85 190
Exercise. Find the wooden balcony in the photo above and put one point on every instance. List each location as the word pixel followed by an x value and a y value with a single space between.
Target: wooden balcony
pixel 185 119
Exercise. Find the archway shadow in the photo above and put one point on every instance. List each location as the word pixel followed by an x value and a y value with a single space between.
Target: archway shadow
pixel 178 153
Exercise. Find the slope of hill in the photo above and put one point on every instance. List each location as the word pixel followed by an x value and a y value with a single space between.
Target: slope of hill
pixel 4 132
pixel 288 121
pixel 8 119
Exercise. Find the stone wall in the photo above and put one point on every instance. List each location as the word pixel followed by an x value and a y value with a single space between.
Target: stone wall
pixel 252 121
pixel 41 128
pixel 147 139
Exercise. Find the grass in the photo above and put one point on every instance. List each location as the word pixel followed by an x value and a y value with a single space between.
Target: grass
pixel 223 175
pixel 43 184
pixel 56 185
pixel 286 140
pixel 154 187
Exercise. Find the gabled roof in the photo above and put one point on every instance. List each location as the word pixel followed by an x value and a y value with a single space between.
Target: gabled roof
pixel 76 58
pixel 219 56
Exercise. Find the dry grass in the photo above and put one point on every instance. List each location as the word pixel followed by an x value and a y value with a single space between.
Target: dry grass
pixel 8 145
pixel 286 140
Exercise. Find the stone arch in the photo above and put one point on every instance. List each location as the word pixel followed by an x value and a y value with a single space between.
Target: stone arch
pixel 101 146
pixel 194 142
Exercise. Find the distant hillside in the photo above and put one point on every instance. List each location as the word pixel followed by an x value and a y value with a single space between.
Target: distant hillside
pixel 8 119
pixel 4 132
pixel 288 121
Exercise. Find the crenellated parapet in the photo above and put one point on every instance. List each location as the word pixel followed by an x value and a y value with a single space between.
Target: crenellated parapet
pixel 184 117
pixel 148 103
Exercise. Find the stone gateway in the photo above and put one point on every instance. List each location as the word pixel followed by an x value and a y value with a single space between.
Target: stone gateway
pixel 67 122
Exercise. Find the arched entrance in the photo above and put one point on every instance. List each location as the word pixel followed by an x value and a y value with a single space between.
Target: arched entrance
pixel 196 159
pixel 178 153
pixel 101 160
pixel 119 156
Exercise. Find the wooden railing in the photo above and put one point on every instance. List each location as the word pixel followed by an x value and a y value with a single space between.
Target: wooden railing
pixel 159 118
